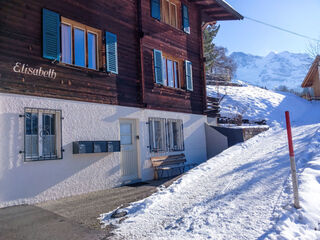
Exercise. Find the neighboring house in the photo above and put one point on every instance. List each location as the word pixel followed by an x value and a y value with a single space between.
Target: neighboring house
pixel 90 90
pixel 311 82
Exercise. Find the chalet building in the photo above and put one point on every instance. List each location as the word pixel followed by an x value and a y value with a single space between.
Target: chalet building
pixel 311 83
pixel 91 90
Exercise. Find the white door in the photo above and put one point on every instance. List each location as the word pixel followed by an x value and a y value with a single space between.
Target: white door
pixel 129 153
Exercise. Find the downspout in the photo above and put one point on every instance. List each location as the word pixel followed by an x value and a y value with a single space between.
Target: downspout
pixel 141 65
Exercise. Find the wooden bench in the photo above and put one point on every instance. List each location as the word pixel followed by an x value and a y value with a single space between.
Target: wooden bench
pixel 167 163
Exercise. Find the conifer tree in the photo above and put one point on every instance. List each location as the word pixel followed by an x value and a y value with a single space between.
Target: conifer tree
pixel 208 46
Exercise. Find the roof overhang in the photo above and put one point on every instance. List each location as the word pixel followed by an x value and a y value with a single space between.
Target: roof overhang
pixel 308 81
pixel 216 10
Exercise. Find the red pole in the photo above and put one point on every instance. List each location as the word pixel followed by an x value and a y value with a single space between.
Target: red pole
pixel 291 152
pixel 292 163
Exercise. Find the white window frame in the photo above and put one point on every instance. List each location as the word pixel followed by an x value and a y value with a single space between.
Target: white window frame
pixel 180 137
pixel 166 135
pixel 154 144
pixel 37 140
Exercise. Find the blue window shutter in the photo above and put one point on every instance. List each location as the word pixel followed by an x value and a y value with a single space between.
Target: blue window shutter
pixel 157 58
pixel 189 79
pixel 185 19
pixel 50 35
pixel 111 53
pixel 155 9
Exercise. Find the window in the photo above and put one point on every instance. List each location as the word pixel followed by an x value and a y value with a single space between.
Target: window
pixel 168 71
pixel 175 135
pixel 42 134
pixel 169 13
pixel 166 135
pixel 79 44
pixel 157 134
pixel 125 133
pixel 171 72
pixel 74 43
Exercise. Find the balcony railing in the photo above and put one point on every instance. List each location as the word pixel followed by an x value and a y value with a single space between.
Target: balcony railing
pixel 213 107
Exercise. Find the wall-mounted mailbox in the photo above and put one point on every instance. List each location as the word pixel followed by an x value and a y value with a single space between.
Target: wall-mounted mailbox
pixel 113 146
pixel 80 147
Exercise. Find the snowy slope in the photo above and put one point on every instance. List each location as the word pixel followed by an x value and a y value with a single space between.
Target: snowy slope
pixel 256 103
pixel 244 192
pixel 273 70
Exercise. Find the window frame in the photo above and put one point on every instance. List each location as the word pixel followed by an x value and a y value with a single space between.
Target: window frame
pixel 86 29
pixel 152 138
pixel 179 62
pixel 58 134
pixel 180 145
pixel 177 5
pixel 167 146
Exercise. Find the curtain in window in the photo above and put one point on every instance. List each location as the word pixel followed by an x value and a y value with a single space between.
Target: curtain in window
pixel 170 73
pixel 79 47
pixel 66 44
pixel 92 51
pixel 157 134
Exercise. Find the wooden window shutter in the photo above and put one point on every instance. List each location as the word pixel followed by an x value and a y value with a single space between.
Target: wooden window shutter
pixel 189 80
pixel 185 19
pixel 157 58
pixel 50 34
pixel 155 9
pixel 111 53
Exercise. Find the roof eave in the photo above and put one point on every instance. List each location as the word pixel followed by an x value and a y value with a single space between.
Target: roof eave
pixel 307 81
pixel 230 9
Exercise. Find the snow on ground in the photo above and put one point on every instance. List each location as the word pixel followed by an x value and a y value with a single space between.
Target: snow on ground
pixel 244 192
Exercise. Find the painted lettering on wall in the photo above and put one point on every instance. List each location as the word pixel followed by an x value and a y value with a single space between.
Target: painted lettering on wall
pixel 25 69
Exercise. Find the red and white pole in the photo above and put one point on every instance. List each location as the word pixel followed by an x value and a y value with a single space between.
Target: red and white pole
pixel 292 163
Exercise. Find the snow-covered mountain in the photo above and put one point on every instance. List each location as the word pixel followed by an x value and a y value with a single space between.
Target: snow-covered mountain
pixel 273 70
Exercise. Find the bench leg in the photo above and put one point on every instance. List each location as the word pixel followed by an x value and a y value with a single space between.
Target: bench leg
pixel 156 174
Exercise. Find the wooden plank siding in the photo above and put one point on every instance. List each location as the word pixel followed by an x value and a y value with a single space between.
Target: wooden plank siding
pixel 161 36
pixel 21 41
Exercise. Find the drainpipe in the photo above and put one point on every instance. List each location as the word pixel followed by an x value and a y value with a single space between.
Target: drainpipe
pixel 141 65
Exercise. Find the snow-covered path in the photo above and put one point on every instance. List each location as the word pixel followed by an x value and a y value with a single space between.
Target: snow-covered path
pixel 240 194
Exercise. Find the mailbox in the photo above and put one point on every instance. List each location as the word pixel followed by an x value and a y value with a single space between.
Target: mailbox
pixel 113 146
pixel 100 146
pixel 80 147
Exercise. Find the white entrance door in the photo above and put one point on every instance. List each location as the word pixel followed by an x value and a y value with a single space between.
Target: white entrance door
pixel 129 153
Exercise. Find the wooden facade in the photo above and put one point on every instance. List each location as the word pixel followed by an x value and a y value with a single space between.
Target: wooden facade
pixel 138 35
pixel 312 80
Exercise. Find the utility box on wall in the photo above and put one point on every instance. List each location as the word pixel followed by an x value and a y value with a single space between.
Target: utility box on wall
pixel 80 147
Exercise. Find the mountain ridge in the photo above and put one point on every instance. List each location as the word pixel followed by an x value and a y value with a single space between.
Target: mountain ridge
pixel 273 70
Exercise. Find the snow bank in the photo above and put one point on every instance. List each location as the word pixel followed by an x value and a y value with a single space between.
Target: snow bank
pixel 244 192
pixel 256 103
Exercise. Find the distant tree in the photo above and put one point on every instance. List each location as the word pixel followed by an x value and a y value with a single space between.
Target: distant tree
pixel 223 67
pixel 209 34
pixel 282 88
pixel 313 49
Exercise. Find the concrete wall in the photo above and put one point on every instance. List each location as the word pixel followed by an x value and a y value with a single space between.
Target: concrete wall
pixel 30 182
pixel 216 142
pixel 251 132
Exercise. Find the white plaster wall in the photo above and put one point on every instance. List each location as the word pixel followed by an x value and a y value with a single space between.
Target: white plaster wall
pixel 30 182
pixel 216 142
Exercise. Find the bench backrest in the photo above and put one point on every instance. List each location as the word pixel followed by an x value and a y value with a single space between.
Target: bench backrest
pixel 168 160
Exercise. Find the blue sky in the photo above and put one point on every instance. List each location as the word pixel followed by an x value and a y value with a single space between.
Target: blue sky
pixel 250 37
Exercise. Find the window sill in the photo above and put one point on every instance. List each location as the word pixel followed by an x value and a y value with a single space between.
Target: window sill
pixel 178 30
pixel 84 69
pixel 179 92
pixel 40 159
